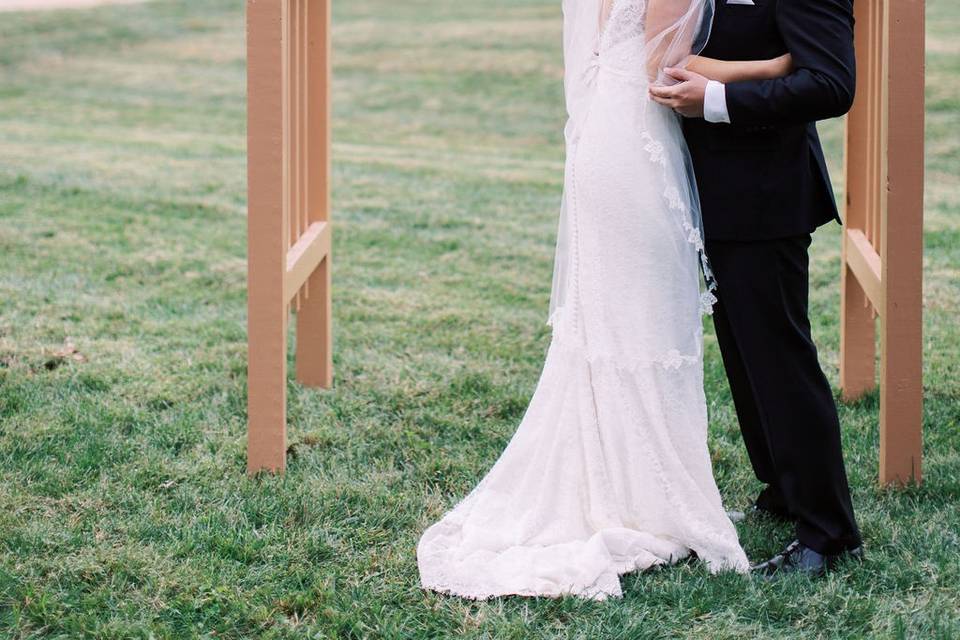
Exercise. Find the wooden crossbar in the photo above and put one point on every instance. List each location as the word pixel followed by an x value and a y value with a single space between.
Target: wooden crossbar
pixel 305 256
pixel 865 264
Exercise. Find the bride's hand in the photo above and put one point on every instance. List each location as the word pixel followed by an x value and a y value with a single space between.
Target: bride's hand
pixel 686 96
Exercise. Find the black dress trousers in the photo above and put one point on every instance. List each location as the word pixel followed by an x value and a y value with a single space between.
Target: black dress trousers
pixel 783 400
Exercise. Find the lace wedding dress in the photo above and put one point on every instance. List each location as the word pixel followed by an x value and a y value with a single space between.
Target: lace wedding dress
pixel 608 472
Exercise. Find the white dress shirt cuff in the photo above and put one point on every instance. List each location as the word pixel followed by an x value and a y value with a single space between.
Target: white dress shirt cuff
pixel 715 103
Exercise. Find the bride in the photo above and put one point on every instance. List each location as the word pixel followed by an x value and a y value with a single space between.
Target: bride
pixel 609 471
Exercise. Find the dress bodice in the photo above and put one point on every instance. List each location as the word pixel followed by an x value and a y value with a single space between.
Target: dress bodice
pixel 622 38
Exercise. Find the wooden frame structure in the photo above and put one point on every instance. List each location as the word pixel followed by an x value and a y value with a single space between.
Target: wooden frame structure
pixel 883 239
pixel 288 76
pixel 288 237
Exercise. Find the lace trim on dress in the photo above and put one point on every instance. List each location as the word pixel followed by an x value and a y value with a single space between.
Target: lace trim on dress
pixel 672 360
pixel 694 234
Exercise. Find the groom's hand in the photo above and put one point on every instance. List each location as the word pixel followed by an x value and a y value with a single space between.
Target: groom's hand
pixel 686 97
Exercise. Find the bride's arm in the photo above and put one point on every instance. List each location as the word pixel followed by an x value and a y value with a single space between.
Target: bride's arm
pixel 731 71
pixel 605 7
pixel 661 23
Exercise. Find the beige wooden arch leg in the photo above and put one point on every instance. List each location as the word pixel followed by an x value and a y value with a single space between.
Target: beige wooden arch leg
pixel 883 239
pixel 266 307
pixel 289 239
pixel 314 325
pixel 901 317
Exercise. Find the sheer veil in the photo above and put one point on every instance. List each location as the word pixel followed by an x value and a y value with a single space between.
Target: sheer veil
pixel 616 428
pixel 675 30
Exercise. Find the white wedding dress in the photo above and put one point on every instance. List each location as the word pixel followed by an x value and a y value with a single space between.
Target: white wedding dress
pixel 609 470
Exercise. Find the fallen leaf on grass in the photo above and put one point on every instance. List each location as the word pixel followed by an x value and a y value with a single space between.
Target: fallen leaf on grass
pixel 68 352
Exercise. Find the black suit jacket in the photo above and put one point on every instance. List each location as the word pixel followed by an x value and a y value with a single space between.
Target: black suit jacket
pixel 763 176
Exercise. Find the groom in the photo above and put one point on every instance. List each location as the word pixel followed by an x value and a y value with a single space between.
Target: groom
pixel 764 189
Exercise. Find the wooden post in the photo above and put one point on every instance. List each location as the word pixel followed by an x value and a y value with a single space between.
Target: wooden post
pixel 288 146
pixel 883 238
pixel 901 317
pixel 857 326
pixel 314 329
pixel 266 306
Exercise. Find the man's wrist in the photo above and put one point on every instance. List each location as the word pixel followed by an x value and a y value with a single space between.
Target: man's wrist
pixel 715 103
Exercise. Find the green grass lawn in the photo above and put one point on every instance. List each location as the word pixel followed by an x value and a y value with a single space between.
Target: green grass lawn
pixel 124 508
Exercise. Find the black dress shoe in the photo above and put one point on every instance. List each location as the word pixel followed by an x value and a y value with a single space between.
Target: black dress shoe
pixel 799 558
